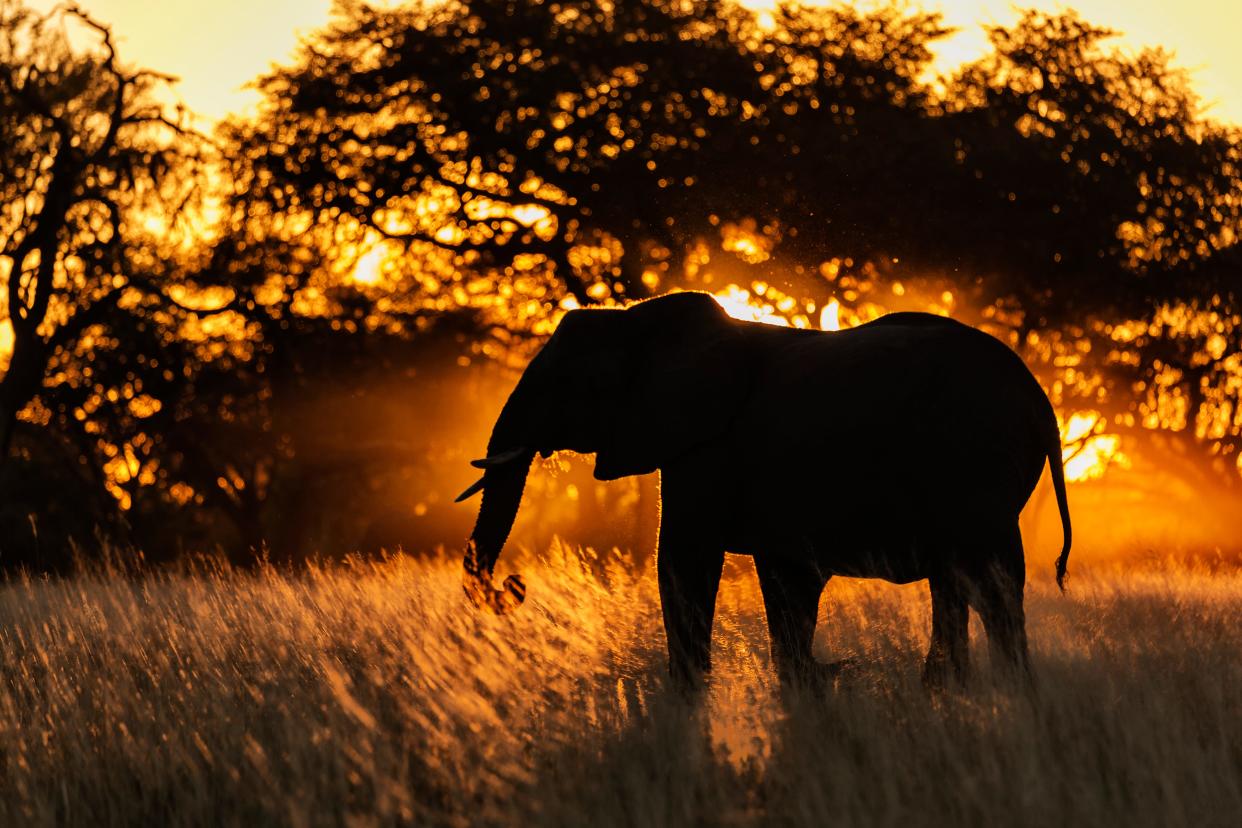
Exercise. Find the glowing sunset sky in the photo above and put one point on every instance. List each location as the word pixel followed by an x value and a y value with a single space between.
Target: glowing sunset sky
pixel 216 47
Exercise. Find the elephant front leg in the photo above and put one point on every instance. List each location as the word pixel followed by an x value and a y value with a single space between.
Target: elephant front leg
pixel 791 592
pixel 689 575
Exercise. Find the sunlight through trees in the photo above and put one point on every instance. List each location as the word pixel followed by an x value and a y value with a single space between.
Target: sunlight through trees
pixel 230 331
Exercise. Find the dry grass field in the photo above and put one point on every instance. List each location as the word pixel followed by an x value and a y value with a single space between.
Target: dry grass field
pixel 370 695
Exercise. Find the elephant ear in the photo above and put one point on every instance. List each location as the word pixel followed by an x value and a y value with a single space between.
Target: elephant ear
pixel 692 370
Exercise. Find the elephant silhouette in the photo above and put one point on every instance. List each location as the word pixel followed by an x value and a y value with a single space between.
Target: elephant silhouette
pixel 902 449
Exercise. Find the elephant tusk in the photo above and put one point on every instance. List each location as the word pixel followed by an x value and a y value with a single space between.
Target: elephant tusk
pixel 499 459
pixel 474 489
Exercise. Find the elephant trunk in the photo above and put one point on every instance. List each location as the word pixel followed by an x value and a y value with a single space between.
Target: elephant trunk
pixel 502 494
pixel 504 478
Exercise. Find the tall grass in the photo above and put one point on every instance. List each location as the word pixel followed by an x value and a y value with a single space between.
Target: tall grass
pixel 370 694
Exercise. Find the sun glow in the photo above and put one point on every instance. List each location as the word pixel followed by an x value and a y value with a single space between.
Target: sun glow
pixel 763 303
pixel 1087 450
pixel 742 304
pixel 830 317
pixel 370 267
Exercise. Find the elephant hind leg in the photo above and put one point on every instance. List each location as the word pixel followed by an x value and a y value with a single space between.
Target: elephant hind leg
pixel 949 653
pixel 998 598
pixel 791 592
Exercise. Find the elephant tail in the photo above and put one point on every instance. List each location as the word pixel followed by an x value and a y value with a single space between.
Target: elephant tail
pixel 1056 466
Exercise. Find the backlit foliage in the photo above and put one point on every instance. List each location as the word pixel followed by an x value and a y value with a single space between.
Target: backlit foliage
pixel 97 182
pixel 426 188
pixel 559 155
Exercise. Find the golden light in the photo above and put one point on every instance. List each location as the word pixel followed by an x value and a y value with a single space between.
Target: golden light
pixel 214 88
pixel 742 304
pixel 369 268
pixel 744 240
pixel 6 343
pixel 1087 451
pixel 763 303
pixel 529 214
pixel 830 316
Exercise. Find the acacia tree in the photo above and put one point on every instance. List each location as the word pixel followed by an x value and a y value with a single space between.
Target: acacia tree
pixel 590 145
pixel 1104 209
pixel 93 169
pixel 1090 174
pixel 94 177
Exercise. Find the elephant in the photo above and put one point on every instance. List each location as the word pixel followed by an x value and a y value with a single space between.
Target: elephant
pixel 901 449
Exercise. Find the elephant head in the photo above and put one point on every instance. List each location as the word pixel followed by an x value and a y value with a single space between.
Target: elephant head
pixel 637 388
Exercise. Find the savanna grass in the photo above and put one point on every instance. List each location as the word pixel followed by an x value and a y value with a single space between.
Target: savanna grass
pixel 370 694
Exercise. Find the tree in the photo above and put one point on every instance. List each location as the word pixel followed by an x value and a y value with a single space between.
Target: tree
pixel 94 177
pixel 570 149
pixel 1126 201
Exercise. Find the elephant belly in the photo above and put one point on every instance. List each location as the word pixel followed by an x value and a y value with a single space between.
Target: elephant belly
pixel 898 561
pixel 893 554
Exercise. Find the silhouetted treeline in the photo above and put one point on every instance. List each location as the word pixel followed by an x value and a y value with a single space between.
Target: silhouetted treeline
pixel 286 337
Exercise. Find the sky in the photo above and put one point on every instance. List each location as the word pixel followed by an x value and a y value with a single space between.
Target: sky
pixel 215 47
